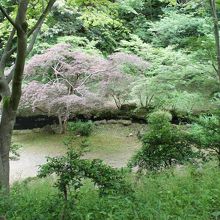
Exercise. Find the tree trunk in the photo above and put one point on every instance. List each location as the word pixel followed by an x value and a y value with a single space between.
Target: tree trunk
pixel 6 127
pixel 61 125
pixel 216 34
pixel 10 103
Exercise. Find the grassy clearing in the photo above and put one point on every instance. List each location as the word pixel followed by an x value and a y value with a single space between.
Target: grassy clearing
pixel 41 141
pixel 111 143
pixel 106 139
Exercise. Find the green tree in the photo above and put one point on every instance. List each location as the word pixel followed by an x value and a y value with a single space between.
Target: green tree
pixel 10 97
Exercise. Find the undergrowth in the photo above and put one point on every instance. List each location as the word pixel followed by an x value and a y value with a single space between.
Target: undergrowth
pixel 186 193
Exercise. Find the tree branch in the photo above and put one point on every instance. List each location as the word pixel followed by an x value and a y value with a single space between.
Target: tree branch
pixel 34 38
pixel 42 17
pixel 8 17
pixel 5 54
pixel 34 32
pixel 21 55
pixel 29 49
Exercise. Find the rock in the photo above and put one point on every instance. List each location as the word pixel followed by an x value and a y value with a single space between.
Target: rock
pixel 112 122
pixel 36 130
pixel 47 129
pixel 97 123
pixel 102 122
pixel 130 135
pixel 129 107
pixel 125 122
pixel 55 128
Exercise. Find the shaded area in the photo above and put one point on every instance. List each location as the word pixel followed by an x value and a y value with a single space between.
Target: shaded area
pixel 31 122
pixel 139 116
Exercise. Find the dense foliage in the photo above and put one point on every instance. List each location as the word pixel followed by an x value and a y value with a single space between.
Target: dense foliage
pixel 190 194
pixel 155 61
pixel 175 40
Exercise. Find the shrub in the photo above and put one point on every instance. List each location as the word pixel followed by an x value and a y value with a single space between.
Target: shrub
pixel 205 134
pixel 81 128
pixel 71 170
pixel 163 145
pixel 159 117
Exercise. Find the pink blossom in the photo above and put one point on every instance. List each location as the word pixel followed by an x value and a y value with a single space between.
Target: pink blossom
pixel 62 81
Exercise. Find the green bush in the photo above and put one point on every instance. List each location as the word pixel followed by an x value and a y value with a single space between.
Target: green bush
pixel 164 145
pixel 159 117
pixel 181 86
pixel 71 170
pixel 81 128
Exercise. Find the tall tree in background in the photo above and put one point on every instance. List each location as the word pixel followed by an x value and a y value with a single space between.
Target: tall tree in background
pixel 10 95
pixel 216 33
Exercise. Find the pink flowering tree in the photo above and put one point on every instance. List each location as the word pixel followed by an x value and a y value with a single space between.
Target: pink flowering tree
pixel 55 99
pixel 117 83
pixel 62 82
